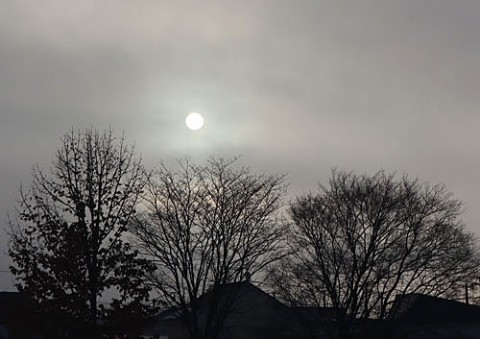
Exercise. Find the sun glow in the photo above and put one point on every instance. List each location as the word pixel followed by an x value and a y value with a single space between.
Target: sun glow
pixel 194 121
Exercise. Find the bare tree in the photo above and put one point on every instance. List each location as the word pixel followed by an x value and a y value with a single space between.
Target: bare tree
pixel 363 240
pixel 67 242
pixel 207 226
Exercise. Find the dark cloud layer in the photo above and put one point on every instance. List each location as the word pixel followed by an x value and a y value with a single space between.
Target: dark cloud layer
pixel 293 86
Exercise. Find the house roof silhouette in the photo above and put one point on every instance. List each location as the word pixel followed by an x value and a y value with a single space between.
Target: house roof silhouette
pixel 420 308
pixel 254 314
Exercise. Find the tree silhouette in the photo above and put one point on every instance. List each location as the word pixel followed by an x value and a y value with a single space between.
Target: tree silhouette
pixel 68 243
pixel 363 240
pixel 205 227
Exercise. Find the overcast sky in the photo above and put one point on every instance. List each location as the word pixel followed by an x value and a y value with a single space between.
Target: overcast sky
pixel 296 87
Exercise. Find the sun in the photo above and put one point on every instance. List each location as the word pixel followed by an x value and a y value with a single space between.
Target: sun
pixel 194 121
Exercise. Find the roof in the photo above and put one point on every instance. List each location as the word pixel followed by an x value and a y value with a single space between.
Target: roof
pixel 233 290
pixel 238 288
pixel 420 308
pixel 315 313
pixel 253 311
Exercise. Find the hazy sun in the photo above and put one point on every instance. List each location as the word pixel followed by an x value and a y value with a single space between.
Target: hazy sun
pixel 194 121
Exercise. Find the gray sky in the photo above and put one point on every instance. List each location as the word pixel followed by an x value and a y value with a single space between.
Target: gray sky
pixel 295 87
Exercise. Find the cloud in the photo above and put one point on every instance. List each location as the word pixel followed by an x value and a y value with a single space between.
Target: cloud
pixel 297 87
